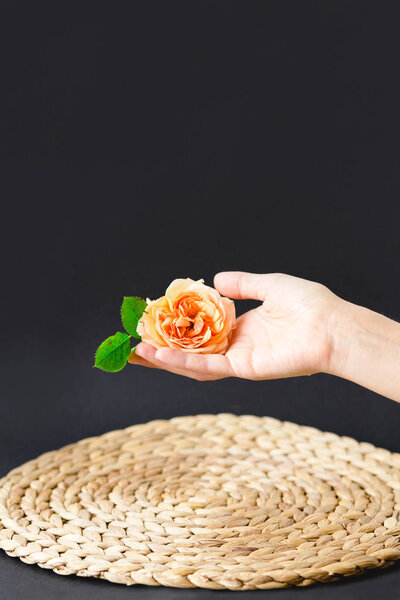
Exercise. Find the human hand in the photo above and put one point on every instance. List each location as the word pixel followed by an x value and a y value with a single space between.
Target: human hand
pixel 286 336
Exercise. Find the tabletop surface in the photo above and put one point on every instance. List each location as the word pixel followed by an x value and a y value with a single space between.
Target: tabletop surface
pixel 162 395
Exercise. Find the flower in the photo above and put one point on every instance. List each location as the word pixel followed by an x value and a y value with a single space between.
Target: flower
pixel 192 317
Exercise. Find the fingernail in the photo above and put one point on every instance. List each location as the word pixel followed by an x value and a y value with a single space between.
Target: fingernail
pixel 159 355
pixel 131 357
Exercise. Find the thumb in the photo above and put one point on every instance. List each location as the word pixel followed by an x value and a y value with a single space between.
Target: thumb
pixel 241 285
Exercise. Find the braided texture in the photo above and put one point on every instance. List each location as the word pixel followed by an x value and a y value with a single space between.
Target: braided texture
pixel 213 501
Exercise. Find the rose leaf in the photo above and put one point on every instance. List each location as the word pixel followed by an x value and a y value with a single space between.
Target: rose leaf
pixel 131 311
pixel 112 354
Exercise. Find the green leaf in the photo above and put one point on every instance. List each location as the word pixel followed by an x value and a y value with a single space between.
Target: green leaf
pixel 112 354
pixel 131 311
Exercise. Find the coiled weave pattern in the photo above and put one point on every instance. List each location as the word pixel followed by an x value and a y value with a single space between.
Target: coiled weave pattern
pixel 214 501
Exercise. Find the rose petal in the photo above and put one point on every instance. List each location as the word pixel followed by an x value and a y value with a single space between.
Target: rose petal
pixel 191 316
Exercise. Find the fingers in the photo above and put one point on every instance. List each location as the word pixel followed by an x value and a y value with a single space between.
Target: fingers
pixel 196 366
pixel 241 285
pixel 137 358
pixel 142 362
pixel 202 366
pixel 143 354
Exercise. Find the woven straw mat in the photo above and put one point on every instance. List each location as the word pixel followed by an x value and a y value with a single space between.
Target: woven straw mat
pixel 214 501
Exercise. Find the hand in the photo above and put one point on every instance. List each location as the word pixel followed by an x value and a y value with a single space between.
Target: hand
pixel 286 336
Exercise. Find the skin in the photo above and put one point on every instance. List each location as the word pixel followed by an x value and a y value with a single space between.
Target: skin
pixel 300 328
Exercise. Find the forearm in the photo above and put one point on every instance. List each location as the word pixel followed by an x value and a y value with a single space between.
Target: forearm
pixel 366 349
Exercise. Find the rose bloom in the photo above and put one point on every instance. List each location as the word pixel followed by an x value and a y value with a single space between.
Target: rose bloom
pixel 192 317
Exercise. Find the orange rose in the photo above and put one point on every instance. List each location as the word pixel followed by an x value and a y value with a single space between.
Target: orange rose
pixel 192 317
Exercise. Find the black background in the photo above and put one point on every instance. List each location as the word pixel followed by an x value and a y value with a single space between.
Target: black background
pixel 143 141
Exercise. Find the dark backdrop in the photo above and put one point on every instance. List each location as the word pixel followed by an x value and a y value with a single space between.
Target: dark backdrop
pixel 143 141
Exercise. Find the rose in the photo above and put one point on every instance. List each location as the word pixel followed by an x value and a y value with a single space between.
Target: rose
pixel 192 317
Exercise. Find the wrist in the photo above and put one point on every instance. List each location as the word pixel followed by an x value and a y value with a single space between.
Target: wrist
pixel 364 347
pixel 341 333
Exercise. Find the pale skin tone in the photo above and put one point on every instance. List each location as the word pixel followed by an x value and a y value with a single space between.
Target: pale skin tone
pixel 299 328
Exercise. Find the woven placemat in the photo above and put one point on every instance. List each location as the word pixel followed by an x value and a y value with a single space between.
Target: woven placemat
pixel 215 501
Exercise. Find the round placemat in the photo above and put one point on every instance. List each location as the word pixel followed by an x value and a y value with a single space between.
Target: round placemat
pixel 214 501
